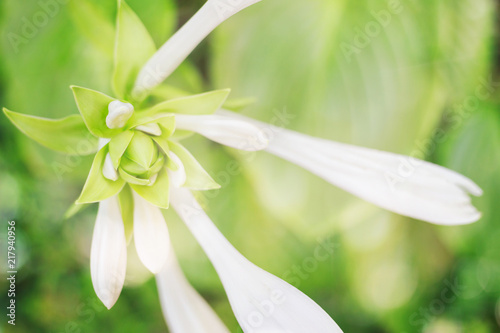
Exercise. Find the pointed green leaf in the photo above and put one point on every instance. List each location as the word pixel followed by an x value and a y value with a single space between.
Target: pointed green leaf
pixel 158 193
pixel 97 187
pixel 238 104
pixel 133 47
pixel 181 134
pixel 131 179
pixel 73 210
pixel 159 17
pixel 126 202
pixel 201 104
pixel 165 120
pixel 93 106
pixel 156 167
pixel 167 125
pixel 196 177
pixel 67 135
pixel 163 144
pixel 118 145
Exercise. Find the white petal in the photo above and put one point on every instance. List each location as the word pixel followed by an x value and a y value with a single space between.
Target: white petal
pixel 108 255
pixel 152 128
pixel 118 114
pixel 401 184
pixel 182 43
pixel 108 169
pixel 177 178
pixel 184 309
pixel 102 142
pixel 261 302
pixel 224 130
pixel 150 234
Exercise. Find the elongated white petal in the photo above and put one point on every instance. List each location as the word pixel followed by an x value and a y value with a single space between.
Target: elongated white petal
pixel 401 184
pixel 102 142
pixel 224 130
pixel 185 311
pixel 182 43
pixel 261 302
pixel 151 237
pixel 108 169
pixel 151 128
pixel 177 177
pixel 108 255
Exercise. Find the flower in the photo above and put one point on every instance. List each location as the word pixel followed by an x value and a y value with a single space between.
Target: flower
pixel 141 166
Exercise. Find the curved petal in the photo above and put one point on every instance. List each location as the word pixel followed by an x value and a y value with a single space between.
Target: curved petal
pixel 108 254
pixel 224 130
pixel 185 311
pixel 183 42
pixel 401 184
pixel 177 177
pixel 108 170
pixel 150 234
pixel 261 302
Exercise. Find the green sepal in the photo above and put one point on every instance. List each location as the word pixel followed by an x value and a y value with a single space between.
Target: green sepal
pixel 165 120
pixel 93 106
pixel 181 134
pixel 93 24
pixel 126 201
pixel 118 145
pixel 68 135
pixel 97 187
pixel 142 150
pixel 131 179
pixel 196 177
pixel 158 193
pixel 133 48
pixel 73 210
pixel 201 104
pixel 238 104
pixel 163 144
pixel 132 167
pixel 156 167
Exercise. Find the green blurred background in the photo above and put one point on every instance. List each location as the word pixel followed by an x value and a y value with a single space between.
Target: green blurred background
pixel 404 76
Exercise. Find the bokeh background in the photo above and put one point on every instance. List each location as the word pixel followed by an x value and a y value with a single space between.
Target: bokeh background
pixel 407 76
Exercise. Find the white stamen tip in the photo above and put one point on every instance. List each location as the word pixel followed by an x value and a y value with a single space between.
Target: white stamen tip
pixel 119 113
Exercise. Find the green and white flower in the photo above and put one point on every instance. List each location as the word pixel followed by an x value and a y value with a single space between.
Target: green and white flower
pixel 141 166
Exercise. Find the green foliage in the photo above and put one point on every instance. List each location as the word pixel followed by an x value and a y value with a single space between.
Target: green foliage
pixel 201 104
pixel 133 47
pixel 68 135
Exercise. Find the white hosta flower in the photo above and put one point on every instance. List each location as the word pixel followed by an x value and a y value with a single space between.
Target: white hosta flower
pixel 184 309
pixel 108 256
pixel 150 234
pixel 224 130
pixel 180 45
pixel 118 114
pixel 261 302
pixel 401 184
